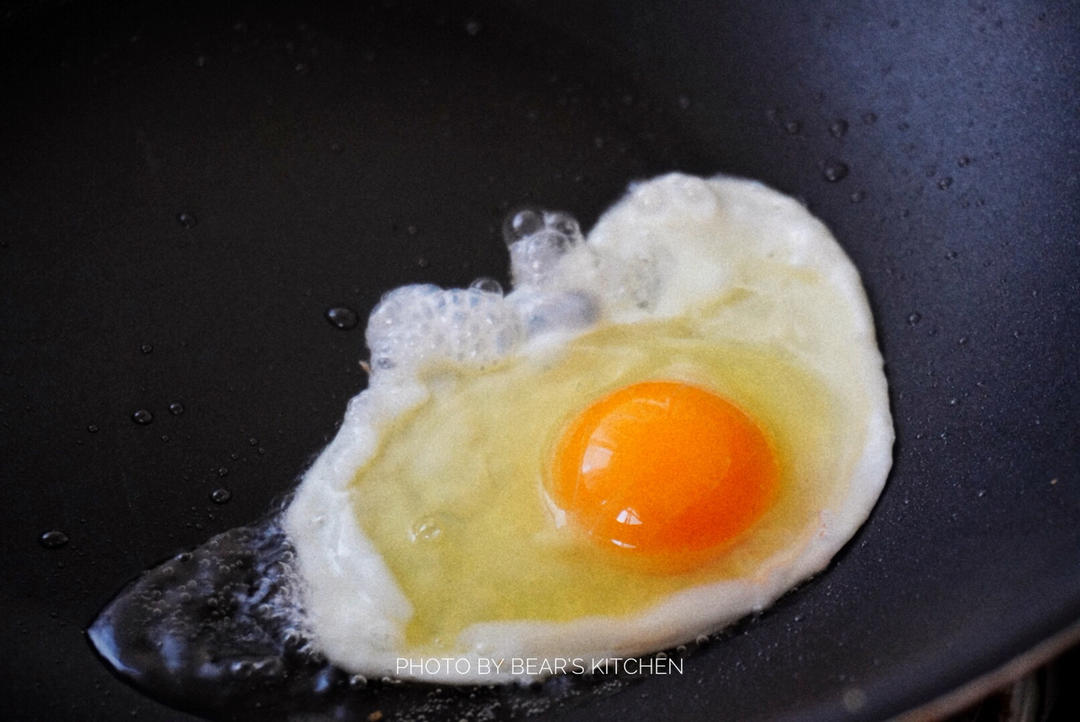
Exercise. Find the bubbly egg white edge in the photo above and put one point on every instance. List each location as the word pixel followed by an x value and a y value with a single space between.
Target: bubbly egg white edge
pixel 355 611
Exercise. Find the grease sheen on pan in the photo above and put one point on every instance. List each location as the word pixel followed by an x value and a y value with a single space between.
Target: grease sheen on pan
pixel 440 523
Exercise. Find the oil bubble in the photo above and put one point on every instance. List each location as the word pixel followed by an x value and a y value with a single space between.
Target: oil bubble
pixel 53 539
pixel 487 285
pixel 427 529
pixel 343 318
pixel 522 223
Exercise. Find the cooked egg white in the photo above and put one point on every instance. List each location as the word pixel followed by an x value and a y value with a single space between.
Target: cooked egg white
pixel 433 525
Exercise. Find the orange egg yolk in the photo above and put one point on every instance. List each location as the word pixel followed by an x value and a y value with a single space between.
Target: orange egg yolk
pixel 663 469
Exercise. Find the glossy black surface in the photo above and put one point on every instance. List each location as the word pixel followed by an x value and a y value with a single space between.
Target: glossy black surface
pixel 187 189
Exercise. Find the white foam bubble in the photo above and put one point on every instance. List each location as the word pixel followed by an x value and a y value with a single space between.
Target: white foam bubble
pixel 419 324
pixel 560 284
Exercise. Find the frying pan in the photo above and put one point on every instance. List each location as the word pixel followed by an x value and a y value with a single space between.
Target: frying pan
pixel 188 187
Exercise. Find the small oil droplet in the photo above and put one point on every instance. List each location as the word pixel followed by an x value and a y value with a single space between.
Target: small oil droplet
pixel 854 699
pixel 187 220
pixel 53 539
pixel 838 128
pixel 792 127
pixel 869 118
pixel 944 183
pixel 343 318
pixel 914 318
pixel 220 495
pixel 834 170
pixel 146 348
pixel 176 408
pixel 92 428
pixel 142 416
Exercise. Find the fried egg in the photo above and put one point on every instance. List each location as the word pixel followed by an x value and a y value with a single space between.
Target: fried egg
pixel 661 428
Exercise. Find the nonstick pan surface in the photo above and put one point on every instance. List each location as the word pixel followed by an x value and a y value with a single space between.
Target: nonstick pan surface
pixel 186 188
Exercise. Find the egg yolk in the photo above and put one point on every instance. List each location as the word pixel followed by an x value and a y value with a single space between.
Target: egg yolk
pixel 663 469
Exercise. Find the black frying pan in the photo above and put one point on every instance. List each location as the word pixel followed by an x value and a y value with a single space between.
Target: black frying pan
pixel 322 156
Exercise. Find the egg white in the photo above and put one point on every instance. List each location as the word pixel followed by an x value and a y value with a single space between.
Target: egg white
pixel 750 264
